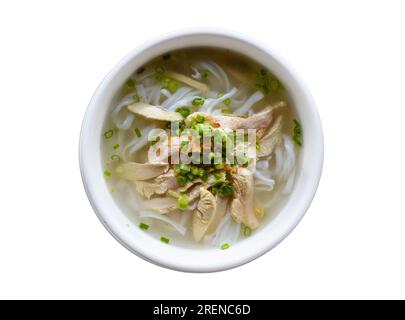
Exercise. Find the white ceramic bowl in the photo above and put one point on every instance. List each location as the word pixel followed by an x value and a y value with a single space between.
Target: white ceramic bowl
pixel 204 260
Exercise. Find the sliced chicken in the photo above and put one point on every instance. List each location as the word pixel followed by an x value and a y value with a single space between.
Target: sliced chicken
pixel 161 205
pixel 161 151
pixel 141 171
pixel 187 80
pixel 203 215
pixel 220 211
pixel 271 139
pixel 157 186
pixel 242 206
pixel 153 112
pixel 259 121
pixel 168 204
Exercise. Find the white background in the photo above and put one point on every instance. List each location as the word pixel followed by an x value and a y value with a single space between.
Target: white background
pixel 351 243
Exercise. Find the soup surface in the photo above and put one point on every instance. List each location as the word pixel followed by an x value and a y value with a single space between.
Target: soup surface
pixel 200 147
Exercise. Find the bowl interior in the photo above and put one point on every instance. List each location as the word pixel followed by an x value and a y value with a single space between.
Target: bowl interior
pixel 309 163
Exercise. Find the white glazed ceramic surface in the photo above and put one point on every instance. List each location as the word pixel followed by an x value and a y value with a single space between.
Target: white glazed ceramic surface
pixel 205 260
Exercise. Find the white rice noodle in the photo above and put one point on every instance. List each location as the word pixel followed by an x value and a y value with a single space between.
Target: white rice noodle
pixel 263 164
pixel 217 72
pixel 186 101
pixel 154 215
pixel 209 107
pixel 180 93
pixel 262 182
pixel 228 231
pixel 166 93
pixel 141 77
pixel 154 96
pixel 255 97
pixel 140 89
pixel 285 164
pixel 122 118
pixel 135 145
pixel 129 194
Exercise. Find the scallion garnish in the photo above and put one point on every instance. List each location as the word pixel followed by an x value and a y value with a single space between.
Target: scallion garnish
pixel 184 111
pixel 297 133
pixel 115 157
pixel 225 246
pixel 199 118
pixel 182 202
pixel 129 84
pixel 154 140
pixel 247 231
pixel 226 111
pixel 206 73
pixel 198 101
pixel 183 144
pixel 165 240
pixel 138 132
pixel 107 173
pixel 143 226
pixel 116 146
pixel 108 134
pixel 181 181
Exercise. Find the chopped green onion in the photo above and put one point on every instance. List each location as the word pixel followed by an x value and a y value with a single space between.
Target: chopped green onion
pixel 206 73
pixel 200 118
pixel 181 181
pixel 107 173
pixel 184 111
pixel 242 160
pixel 184 168
pixel 225 246
pixel 218 175
pixel 135 98
pixel 182 202
pixel 166 56
pixel 266 89
pixel 173 86
pixel 195 171
pixel 154 140
pixel 258 85
pixel 219 166
pixel 226 111
pixel 190 176
pixel 202 172
pixel 297 133
pixel 115 157
pixel 165 240
pixel 227 102
pixel 138 132
pixel 143 226
pixel 204 176
pixel 247 231
pixel 198 101
pixel 183 144
pixel 129 84
pixel 225 190
pixel 116 146
pixel 108 134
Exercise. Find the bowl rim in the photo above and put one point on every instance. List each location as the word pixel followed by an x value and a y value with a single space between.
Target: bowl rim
pixel 177 259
